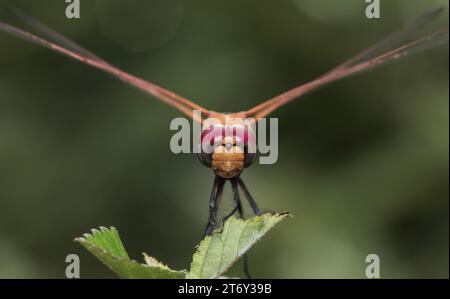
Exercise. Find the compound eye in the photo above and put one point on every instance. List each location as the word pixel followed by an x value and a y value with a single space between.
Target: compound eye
pixel 210 138
pixel 250 148
pixel 249 158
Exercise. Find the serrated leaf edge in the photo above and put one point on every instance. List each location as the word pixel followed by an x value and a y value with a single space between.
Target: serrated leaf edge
pixel 279 216
pixel 84 241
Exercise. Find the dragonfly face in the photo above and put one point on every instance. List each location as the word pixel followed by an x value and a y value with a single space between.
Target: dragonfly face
pixel 227 149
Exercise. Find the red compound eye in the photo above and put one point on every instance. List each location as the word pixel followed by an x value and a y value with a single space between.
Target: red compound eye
pixel 213 135
pixel 243 136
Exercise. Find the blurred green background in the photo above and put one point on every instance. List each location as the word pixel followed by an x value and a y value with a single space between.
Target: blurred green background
pixel 363 163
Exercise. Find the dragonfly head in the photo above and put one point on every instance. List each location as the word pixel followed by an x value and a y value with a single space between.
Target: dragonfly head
pixel 227 150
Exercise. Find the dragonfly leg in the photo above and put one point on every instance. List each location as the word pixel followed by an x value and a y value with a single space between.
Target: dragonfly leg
pixel 249 197
pixel 236 200
pixel 213 205
pixel 241 215
pixel 239 205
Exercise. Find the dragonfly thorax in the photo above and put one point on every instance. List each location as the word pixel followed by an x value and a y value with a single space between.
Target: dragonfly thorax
pixel 227 149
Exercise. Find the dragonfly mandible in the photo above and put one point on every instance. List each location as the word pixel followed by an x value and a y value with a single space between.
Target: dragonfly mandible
pixel 229 157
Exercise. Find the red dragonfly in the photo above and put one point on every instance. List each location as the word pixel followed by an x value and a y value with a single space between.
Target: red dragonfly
pixel 230 156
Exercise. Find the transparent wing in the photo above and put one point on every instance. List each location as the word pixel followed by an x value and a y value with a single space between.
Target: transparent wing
pixel 52 35
pixel 84 56
pixel 394 38
pixel 359 63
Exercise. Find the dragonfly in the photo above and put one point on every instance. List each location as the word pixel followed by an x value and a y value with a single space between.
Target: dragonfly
pixel 230 155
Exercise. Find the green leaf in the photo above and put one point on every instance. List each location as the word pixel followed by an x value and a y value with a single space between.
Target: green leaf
pixel 219 251
pixel 214 255
pixel 106 245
